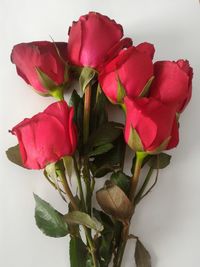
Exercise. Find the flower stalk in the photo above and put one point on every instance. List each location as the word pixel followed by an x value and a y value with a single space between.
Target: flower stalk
pixel 134 182
pixel 135 178
pixel 86 115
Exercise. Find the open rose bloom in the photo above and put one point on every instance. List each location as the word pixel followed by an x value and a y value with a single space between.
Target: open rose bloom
pixel 78 138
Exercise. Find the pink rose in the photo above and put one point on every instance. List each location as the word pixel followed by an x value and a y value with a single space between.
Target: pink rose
pixel 94 39
pixel 154 122
pixel 132 67
pixel 47 136
pixel 43 55
pixel 173 83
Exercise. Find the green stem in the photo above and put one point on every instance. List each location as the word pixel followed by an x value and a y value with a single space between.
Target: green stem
pixel 87 180
pixel 79 184
pixel 142 189
pixel 92 247
pixel 120 252
pixel 134 182
pixel 67 189
pixel 86 127
pixel 86 115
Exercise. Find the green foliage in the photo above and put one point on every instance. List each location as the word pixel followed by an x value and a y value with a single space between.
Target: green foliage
pixel 106 240
pixel 49 220
pixel 110 161
pixel 107 133
pixel 13 154
pixel 159 161
pixel 122 180
pixel 102 149
pixel 81 218
pixel 78 252
pixel 77 102
pixel 99 112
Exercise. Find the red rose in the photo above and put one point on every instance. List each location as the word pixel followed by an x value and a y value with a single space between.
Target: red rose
pixel 150 125
pixel 173 83
pixel 43 56
pixel 47 136
pixel 132 67
pixel 94 39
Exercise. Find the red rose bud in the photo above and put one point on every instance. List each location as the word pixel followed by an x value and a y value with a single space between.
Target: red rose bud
pixel 151 126
pixel 47 136
pixel 173 83
pixel 41 65
pixel 128 74
pixel 94 39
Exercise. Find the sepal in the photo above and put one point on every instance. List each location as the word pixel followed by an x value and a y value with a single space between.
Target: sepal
pixel 134 140
pixel 86 76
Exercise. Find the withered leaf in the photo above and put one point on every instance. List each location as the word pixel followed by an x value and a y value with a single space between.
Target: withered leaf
pixel 114 201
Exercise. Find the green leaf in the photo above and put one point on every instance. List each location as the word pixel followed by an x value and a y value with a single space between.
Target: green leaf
pixel 159 161
pixel 13 154
pixel 78 252
pixel 122 180
pixel 49 220
pixel 77 102
pixel 74 99
pixel 114 201
pixel 87 74
pixel 107 133
pixel 78 217
pixel 89 261
pixel 99 114
pixel 110 161
pixel 105 241
pixel 101 150
pixel 142 256
pixel 147 87
pixel 134 140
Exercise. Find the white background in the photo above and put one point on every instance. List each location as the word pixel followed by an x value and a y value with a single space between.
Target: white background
pixel 168 220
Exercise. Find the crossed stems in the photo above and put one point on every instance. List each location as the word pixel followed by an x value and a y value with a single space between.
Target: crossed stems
pixel 134 198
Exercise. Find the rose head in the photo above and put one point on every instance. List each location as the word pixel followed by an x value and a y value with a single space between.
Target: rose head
pixel 94 39
pixel 151 126
pixel 40 64
pixel 173 83
pixel 133 68
pixel 47 136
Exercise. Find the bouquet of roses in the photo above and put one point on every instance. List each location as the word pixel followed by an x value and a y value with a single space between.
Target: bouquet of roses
pixel 77 139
